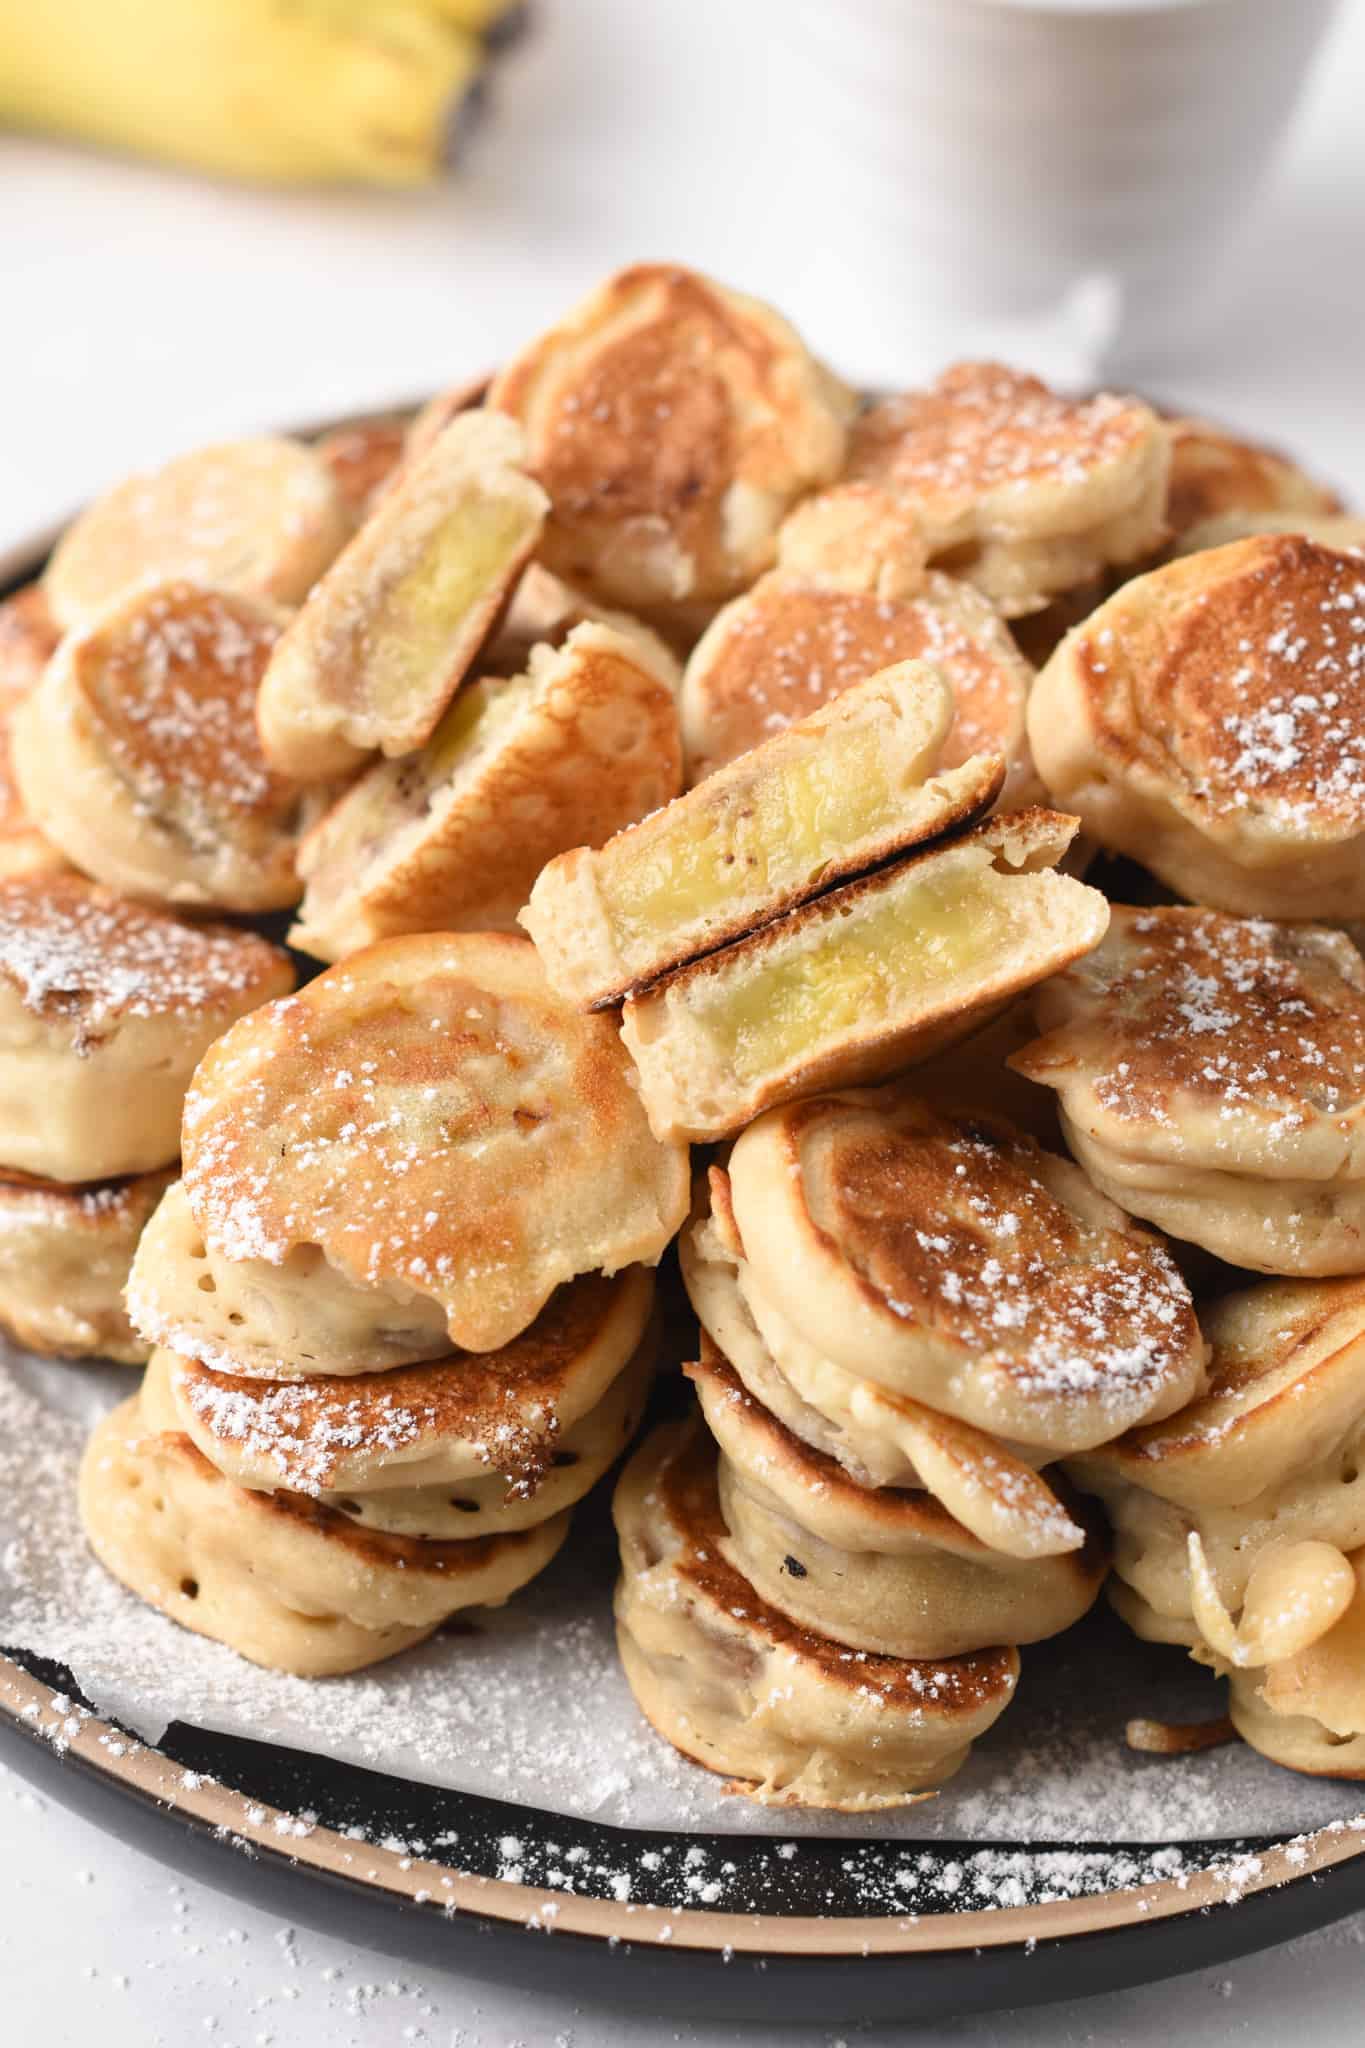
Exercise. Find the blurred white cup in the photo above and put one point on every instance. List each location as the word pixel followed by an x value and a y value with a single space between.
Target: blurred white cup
pixel 1012 158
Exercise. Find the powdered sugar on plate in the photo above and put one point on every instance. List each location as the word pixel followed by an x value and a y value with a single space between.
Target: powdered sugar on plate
pixel 528 1703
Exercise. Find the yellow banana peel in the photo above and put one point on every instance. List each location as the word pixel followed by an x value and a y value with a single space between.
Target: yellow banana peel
pixel 279 90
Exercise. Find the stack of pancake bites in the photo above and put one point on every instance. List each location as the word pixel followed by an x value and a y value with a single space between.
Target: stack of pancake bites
pixel 661 745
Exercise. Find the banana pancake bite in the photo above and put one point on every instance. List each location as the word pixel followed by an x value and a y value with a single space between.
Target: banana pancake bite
pixel 848 788
pixel 262 517
pixel 849 597
pixel 65 1255
pixel 793 1718
pixel 1209 720
pixel 1021 492
pixel 673 424
pixel 137 752
pixel 452 838
pixel 1261 1469
pixel 28 640
pixel 952 1259
pixel 106 1007
pixel 876 1569
pixel 1217 476
pixel 418 1148
pixel 879 1437
pixel 865 980
pixel 1210 1074
pixel 475 1439
pixel 281 1579
pixel 386 637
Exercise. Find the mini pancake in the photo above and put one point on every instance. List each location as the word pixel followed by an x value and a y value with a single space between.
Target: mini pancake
pixel 868 979
pixel 254 1319
pixel 462 1416
pixel 1016 490
pixel 262 517
pixel 28 640
pixel 363 455
pixel 105 1008
pixel 1345 535
pixel 674 424
pixel 1208 721
pixel 452 839
pixel 1210 1072
pixel 484 1501
pixel 793 1718
pixel 137 752
pixel 65 1254
pixel 877 1569
pixel 879 1438
pixel 847 789
pixel 279 1578
pixel 1216 475
pixel 439 1126
pixel 954 1260
pixel 389 633
pixel 796 640
pixel 1272 1455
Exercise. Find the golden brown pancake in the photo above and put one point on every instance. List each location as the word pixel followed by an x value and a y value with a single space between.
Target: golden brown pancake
pixel 137 753
pixel 464 1415
pixel 105 1007
pixel 1210 1072
pixel 673 424
pixel 28 639
pixel 281 1579
pixel 1017 490
pixel 791 644
pixel 881 1569
pixel 440 1127
pixel 263 517
pixel 793 1718
pixel 952 1259
pixel 363 455
pixel 873 977
pixel 1216 474
pixel 1208 721
pixel 64 1259
pixel 840 793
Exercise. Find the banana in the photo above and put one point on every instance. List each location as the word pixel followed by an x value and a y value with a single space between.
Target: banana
pixel 281 90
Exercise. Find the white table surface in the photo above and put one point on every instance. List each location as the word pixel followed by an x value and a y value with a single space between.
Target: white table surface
pixel 140 314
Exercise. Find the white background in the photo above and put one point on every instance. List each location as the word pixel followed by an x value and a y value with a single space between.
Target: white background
pixel 140 314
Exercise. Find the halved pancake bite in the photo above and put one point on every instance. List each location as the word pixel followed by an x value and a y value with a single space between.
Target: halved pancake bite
pixel 262 517
pixel 452 838
pixel 792 1718
pixel 842 792
pixel 137 752
pixel 1209 721
pixel 106 1007
pixel 1210 1072
pixel 1021 492
pixel 868 979
pixel 673 423
pixel 434 1136
pixel 389 633
pixel 850 596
